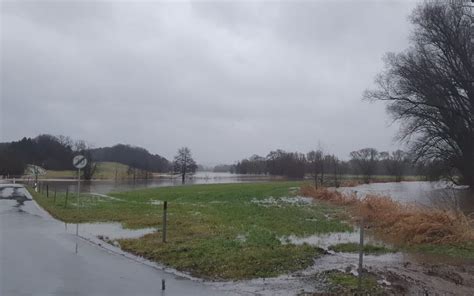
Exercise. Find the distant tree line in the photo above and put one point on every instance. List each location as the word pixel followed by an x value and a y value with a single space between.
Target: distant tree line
pixel 46 151
pixel 50 152
pixel 366 162
pixel 56 153
pixel 222 168
pixel 135 157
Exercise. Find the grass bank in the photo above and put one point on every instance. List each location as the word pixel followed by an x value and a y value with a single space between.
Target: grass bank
pixel 219 231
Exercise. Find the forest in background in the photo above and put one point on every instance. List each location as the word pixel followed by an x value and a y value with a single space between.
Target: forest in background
pixel 56 153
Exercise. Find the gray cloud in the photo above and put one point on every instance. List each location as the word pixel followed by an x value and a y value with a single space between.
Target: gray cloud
pixel 227 79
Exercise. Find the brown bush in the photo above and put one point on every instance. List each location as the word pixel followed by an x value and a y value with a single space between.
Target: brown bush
pixel 402 223
pixel 325 194
pixel 351 183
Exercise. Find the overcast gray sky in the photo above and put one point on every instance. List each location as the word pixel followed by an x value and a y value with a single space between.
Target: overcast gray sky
pixel 227 79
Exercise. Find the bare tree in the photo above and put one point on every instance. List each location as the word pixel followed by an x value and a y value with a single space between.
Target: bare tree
pixel 325 166
pixel 395 163
pixel 65 141
pixel 366 162
pixel 91 168
pixel 430 87
pixel 336 169
pixel 132 171
pixel 81 147
pixel 315 165
pixel 184 163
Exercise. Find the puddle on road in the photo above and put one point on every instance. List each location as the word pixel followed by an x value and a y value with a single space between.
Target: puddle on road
pixel 110 230
pixel 13 197
pixel 12 191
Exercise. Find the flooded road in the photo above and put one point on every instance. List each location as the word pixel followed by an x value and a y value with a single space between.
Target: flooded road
pixel 40 256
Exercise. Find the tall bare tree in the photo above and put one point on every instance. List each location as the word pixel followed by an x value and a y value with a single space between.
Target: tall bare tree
pixel 335 164
pixel 366 162
pixel 315 161
pixel 429 88
pixel 184 163
pixel 395 163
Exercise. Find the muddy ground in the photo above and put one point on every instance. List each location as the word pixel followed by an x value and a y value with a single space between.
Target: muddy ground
pixel 395 274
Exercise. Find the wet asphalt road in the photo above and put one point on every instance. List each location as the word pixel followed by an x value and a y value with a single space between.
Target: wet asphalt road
pixel 38 257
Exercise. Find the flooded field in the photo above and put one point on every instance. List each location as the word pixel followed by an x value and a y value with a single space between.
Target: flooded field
pixel 409 273
pixel 324 241
pixel 107 186
pixel 439 194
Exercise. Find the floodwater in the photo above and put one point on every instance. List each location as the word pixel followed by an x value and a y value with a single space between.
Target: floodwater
pixel 107 186
pixel 438 194
pixel 110 230
pixel 324 241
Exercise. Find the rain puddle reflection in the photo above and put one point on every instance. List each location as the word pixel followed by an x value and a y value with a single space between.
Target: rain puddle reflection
pixel 111 231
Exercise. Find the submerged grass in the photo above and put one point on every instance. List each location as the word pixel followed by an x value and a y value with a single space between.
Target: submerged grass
pixel 217 231
pixel 341 283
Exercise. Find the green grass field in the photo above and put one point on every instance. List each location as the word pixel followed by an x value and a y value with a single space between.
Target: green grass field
pixel 342 283
pixel 220 231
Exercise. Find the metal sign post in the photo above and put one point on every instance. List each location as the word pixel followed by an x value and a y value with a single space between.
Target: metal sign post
pixel 79 162
pixel 78 182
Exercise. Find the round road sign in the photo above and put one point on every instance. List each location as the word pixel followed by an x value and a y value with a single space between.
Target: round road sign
pixel 79 161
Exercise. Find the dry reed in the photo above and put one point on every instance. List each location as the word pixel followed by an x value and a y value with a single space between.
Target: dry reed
pixel 402 223
pixel 332 196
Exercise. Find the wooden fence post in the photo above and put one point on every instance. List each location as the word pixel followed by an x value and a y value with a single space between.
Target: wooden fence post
pixel 361 252
pixel 67 194
pixel 165 209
